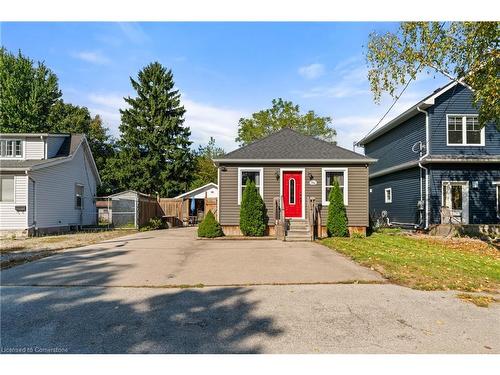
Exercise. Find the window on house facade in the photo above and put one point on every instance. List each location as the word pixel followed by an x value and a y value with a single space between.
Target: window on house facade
pixel 7 189
pixel 388 195
pixel 330 175
pixel 497 187
pixel 254 175
pixel 11 148
pixel 78 196
pixel 291 192
pixel 464 130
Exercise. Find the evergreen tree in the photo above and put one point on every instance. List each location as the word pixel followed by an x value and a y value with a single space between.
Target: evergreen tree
pixel 337 219
pixel 252 211
pixel 154 154
pixel 210 227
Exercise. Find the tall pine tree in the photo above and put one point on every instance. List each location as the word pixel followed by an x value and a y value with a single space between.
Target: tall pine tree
pixel 154 148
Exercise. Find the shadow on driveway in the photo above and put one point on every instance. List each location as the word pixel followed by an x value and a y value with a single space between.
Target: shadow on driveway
pixel 99 320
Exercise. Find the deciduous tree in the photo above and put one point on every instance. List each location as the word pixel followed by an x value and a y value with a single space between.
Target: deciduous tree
pixel 283 114
pixel 466 51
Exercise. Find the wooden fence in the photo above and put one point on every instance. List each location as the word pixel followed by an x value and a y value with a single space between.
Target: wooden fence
pixel 175 211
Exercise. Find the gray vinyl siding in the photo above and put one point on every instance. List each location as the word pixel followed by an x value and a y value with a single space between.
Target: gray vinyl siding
pixel 482 201
pixel 405 187
pixel 34 148
pixel 55 193
pixel 395 147
pixel 458 100
pixel 357 208
pixel 9 217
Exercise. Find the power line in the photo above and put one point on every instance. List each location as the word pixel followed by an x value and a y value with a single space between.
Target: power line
pixel 404 88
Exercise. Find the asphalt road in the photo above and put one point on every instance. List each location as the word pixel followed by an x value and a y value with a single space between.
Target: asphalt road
pixel 262 319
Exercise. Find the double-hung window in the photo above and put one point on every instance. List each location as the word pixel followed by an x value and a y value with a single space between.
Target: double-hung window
pixel 329 176
pixel 497 188
pixel 255 175
pixel 388 195
pixel 6 188
pixel 11 148
pixel 79 196
pixel 464 130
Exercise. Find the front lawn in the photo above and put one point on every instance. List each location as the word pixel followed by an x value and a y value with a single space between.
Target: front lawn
pixel 423 262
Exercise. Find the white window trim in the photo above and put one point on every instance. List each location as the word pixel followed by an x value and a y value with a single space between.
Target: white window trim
pixel 83 197
pixel 15 197
pixel 294 191
pixel 23 150
pixel 496 184
pixel 251 169
pixel 385 195
pixel 464 132
pixel 323 184
pixel 303 170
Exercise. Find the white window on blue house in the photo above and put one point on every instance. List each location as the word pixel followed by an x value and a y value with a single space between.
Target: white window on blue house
pixel 464 130
pixel 11 148
pixel 388 195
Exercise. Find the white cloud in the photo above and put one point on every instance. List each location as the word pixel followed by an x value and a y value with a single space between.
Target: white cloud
pixel 312 71
pixel 349 81
pixel 207 121
pixel 134 32
pixel 203 119
pixel 94 57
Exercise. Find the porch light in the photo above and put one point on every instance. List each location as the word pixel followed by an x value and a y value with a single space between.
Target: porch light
pixel 311 176
pixel 475 184
pixel 277 175
pixel 223 169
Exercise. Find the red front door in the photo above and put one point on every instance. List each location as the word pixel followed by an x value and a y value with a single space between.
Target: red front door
pixel 292 193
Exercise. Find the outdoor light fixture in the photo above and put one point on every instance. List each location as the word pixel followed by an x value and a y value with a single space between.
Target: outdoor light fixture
pixel 311 176
pixel 223 169
pixel 475 184
pixel 277 175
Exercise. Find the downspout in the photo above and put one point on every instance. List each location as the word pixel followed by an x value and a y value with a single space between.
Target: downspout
pixel 426 170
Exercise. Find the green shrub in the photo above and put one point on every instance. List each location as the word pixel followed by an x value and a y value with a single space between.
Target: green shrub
pixel 337 218
pixel 209 227
pixel 252 212
pixel 153 224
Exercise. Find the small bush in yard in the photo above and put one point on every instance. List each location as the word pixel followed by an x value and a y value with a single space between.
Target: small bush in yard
pixel 209 227
pixel 252 212
pixel 337 219
pixel 153 224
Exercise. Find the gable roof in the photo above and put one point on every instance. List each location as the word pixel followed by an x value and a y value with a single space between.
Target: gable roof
pixel 66 152
pixel 210 185
pixel 289 146
pixel 426 102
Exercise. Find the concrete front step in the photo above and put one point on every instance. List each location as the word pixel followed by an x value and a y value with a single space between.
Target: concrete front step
pixel 297 239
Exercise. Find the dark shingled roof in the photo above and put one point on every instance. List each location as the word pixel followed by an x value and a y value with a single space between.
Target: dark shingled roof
pixel 68 147
pixel 289 144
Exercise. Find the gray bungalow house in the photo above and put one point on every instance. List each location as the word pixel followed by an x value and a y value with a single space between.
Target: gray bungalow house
pixel 292 170
pixel 436 165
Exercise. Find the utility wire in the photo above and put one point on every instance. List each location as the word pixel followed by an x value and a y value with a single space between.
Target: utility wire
pixel 404 88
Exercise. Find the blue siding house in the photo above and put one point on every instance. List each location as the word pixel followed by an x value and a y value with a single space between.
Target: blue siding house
pixel 435 164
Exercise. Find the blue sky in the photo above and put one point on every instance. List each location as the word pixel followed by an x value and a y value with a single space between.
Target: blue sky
pixel 224 70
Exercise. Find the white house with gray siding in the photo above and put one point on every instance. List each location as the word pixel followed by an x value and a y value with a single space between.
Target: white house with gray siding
pixel 48 182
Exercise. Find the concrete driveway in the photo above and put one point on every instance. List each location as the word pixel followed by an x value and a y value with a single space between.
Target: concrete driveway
pixel 174 257
pixel 108 298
